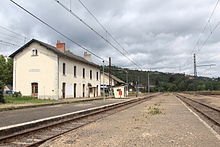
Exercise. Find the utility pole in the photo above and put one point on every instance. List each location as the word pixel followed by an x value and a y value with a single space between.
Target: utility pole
pixel 110 75
pixel 110 78
pixel 195 72
pixel 148 82
pixel 103 73
pixel 136 89
pixel 126 83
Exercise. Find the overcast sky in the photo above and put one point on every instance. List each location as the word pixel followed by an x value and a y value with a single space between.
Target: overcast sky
pixel 157 34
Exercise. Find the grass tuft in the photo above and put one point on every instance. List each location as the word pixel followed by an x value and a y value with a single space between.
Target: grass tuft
pixel 155 111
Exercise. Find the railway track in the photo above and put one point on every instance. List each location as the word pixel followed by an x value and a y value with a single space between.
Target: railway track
pixel 39 135
pixel 211 113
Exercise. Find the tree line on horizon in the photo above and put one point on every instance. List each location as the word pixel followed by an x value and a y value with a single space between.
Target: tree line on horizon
pixel 164 82
pixel 159 81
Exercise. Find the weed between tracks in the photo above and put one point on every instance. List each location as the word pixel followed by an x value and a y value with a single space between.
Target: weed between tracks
pixel 154 110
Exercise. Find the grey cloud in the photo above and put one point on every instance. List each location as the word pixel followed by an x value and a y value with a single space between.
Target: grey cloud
pixel 156 33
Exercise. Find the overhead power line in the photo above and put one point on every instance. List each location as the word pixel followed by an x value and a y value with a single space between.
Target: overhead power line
pixel 9 43
pixel 209 36
pixel 92 29
pixel 96 19
pixel 210 65
pixel 203 30
pixel 10 36
pixel 12 32
pixel 51 27
pixel 206 25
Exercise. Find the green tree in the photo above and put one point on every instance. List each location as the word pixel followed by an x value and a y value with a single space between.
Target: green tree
pixel 171 79
pixel 6 70
pixel 2 69
pixel 9 72
pixel 1 92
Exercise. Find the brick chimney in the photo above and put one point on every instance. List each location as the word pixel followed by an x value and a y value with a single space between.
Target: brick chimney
pixel 87 56
pixel 60 46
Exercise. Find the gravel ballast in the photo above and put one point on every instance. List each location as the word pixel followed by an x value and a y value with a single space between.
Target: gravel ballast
pixel 162 121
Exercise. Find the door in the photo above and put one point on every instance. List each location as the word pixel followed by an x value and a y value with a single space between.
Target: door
pixel 83 90
pixel 64 90
pixel 97 91
pixel 94 91
pixel 34 87
pixel 74 89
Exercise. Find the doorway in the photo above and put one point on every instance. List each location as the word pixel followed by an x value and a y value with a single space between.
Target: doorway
pixel 63 90
pixel 34 89
pixel 94 92
pixel 74 90
pixel 83 90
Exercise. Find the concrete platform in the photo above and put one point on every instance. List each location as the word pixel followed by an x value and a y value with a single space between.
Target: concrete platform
pixel 25 115
pixel 163 121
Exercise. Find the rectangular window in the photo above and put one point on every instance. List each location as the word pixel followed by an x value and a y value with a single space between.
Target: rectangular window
pixel 90 74
pixel 74 72
pixel 83 72
pixel 64 68
pixel 97 76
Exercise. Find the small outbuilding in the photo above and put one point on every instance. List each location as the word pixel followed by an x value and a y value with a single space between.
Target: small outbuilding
pixel 119 91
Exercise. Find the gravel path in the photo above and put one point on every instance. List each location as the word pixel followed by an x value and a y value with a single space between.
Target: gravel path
pixel 163 121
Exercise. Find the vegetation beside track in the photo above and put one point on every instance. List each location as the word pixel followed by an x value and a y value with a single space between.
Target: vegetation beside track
pixel 204 92
pixel 25 100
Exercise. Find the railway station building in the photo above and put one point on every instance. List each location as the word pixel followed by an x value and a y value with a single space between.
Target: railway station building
pixel 52 72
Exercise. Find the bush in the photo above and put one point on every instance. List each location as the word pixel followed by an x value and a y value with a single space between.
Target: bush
pixel 17 94
pixel 1 92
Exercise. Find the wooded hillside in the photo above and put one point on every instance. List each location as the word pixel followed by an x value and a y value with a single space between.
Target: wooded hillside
pixel 166 81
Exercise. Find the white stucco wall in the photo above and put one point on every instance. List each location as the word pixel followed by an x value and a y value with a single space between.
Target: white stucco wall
pixel 106 80
pixel 41 69
pixel 116 92
pixel 69 78
pixel 46 69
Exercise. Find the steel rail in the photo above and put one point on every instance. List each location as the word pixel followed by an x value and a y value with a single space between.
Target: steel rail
pixel 12 139
pixel 204 113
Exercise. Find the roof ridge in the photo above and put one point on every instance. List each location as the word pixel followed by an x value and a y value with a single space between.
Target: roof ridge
pixel 56 51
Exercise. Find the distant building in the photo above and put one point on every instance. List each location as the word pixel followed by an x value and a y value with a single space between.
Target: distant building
pixel 8 88
pixel 6 58
pixel 45 71
pixel 119 91
pixel 114 80
pixel 190 77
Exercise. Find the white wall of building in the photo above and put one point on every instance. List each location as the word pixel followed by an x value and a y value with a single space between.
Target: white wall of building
pixel 41 69
pixel 105 81
pixel 69 78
